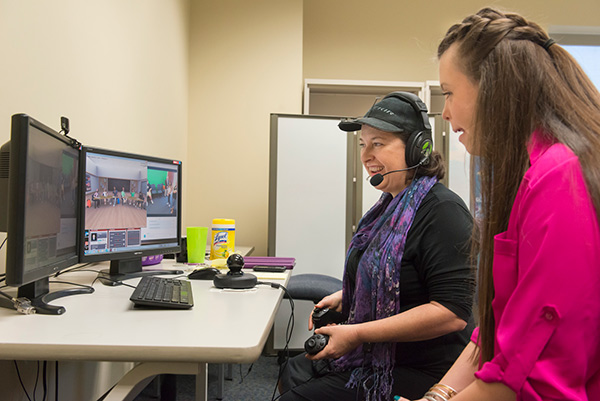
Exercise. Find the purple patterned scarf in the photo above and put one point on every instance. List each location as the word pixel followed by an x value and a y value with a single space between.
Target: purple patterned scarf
pixel 381 235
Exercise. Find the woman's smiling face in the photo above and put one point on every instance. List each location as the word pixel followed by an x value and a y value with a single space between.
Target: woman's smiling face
pixel 382 152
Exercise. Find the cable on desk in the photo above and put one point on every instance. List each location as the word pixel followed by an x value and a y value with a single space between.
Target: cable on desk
pixel 114 281
pixel 89 287
pixel 21 304
pixel 5 295
pixel 76 268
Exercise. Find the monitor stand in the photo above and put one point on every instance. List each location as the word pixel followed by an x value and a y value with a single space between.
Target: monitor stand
pixel 125 269
pixel 38 292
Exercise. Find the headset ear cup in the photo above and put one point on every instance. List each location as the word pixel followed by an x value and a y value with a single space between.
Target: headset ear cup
pixel 420 144
pixel 410 154
pixel 418 148
pixel 425 149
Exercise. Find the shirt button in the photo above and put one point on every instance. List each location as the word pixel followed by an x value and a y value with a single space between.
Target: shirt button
pixel 549 316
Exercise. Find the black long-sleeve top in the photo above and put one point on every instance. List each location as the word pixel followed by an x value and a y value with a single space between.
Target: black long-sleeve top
pixel 435 267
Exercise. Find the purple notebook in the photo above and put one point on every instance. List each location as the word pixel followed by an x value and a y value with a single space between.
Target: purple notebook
pixel 251 261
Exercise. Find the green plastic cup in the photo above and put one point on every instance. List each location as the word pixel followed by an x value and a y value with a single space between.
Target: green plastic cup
pixel 196 244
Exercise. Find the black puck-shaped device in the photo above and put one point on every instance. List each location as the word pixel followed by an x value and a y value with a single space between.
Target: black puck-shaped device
pixel 235 278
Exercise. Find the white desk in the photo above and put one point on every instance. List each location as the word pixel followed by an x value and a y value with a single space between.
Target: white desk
pixel 222 327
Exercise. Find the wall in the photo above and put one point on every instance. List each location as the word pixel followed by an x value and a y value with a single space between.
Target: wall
pixel 119 71
pixel 250 60
pixel 392 40
pixel 245 63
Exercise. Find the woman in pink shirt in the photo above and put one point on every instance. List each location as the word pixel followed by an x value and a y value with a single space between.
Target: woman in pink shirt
pixel 522 104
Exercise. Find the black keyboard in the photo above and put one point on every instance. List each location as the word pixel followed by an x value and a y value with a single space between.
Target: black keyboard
pixel 163 293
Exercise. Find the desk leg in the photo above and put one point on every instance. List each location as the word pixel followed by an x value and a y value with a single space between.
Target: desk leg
pixel 221 381
pixel 138 378
pixel 229 374
pixel 223 375
pixel 202 382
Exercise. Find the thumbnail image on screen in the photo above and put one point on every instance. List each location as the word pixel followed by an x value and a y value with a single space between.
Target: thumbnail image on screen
pixel 130 204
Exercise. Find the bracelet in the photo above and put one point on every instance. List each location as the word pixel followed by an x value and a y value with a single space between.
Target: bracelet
pixel 440 392
pixel 445 389
pixel 431 396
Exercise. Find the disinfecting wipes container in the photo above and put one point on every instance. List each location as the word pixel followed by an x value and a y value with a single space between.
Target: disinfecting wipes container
pixel 223 238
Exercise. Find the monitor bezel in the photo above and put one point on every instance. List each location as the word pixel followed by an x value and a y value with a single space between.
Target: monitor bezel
pixel 16 274
pixel 138 253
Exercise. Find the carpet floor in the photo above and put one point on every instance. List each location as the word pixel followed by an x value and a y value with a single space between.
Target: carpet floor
pixel 254 382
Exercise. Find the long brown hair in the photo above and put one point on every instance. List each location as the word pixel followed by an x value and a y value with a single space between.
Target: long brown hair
pixel 525 83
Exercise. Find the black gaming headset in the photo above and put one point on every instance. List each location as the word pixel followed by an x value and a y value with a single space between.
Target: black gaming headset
pixel 420 143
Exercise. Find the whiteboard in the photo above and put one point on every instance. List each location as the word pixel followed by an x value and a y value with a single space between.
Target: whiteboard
pixel 308 185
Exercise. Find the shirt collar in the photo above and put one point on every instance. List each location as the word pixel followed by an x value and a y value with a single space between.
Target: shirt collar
pixel 538 144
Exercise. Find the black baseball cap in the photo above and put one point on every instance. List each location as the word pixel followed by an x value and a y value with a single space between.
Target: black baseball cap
pixel 391 114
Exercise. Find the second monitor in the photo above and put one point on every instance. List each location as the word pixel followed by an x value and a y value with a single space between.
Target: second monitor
pixel 132 208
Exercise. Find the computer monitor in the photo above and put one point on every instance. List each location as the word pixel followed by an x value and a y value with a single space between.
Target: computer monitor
pixel 131 208
pixel 39 201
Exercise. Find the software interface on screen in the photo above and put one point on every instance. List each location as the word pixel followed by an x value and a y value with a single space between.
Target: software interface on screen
pixel 50 201
pixel 130 204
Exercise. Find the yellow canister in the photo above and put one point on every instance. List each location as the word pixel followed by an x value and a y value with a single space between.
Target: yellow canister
pixel 223 238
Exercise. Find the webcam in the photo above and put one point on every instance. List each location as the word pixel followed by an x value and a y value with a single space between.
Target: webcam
pixel 235 278
pixel 64 125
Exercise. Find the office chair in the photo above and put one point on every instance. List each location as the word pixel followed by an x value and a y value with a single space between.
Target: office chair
pixel 312 287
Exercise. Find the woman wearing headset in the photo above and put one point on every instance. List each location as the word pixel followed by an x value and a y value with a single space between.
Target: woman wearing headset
pixel 408 286
pixel 524 105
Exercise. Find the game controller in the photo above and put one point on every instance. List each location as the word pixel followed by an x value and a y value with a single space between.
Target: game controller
pixel 324 316
pixel 316 343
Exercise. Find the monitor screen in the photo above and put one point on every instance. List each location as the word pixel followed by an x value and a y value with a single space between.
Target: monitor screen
pixel 39 207
pixel 131 208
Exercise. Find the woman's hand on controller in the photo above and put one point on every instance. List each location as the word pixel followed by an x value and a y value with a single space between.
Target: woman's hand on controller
pixel 332 302
pixel 343 338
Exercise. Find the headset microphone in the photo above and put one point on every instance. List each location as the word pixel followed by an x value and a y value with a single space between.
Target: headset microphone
pixel 378 178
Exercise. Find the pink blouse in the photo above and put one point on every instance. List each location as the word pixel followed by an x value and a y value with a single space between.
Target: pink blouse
pixel 547 284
